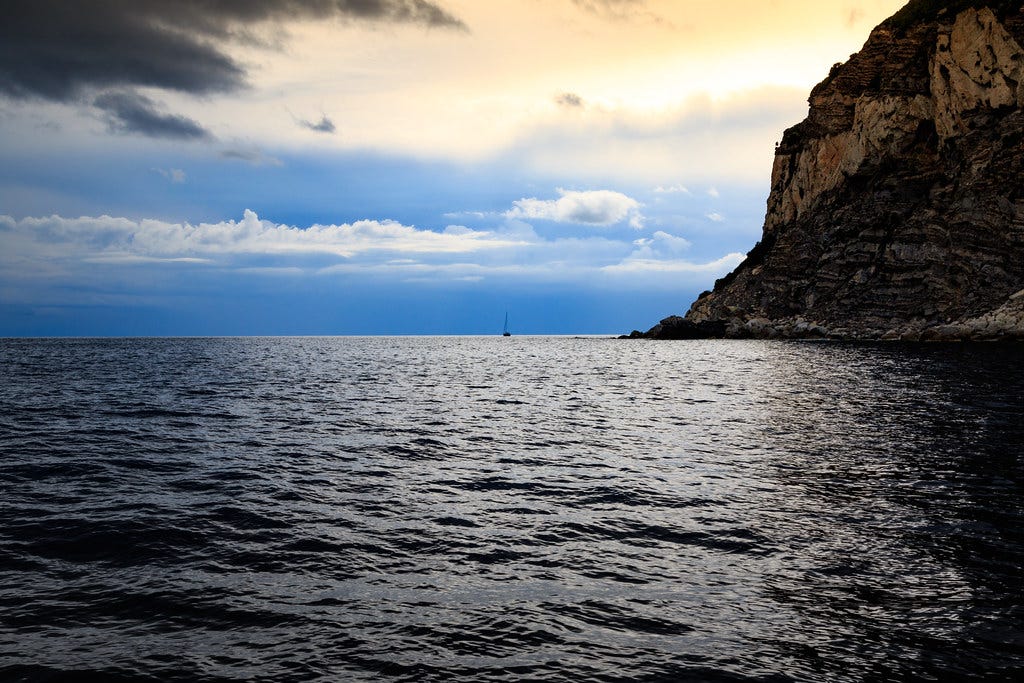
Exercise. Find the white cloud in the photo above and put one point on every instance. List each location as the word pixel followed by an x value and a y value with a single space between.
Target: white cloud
pixel 119 254
pixel 134 258
pixel 109 240
pixel 594 207
pixel 660 244
pixel 715 217
pixel 469 214
pixel 560 265
pixel 672 189
pixel 175 175
pixel 713 192
pixel 650 266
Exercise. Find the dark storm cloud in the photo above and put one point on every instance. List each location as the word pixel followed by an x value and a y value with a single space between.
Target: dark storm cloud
pixel 130 112
pixel 324 125
pixel 56 48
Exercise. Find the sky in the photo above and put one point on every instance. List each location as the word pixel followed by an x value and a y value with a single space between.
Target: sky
pixel 391 166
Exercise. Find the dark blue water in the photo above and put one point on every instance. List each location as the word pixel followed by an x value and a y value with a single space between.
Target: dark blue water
pixel 438 509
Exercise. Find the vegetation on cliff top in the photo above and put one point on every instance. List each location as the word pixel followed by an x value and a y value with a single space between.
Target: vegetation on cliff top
pixel 917 11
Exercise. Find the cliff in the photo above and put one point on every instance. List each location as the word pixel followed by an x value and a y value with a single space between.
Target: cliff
pixel 897 206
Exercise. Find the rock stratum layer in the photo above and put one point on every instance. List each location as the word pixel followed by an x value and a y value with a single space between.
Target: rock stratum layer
pixel 897 206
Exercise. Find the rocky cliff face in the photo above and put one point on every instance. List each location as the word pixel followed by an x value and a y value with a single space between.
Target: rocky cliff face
pixel 897 206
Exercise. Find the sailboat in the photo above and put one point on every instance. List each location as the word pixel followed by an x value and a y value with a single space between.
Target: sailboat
pixel 506 333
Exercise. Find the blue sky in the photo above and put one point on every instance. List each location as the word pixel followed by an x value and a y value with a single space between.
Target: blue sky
pixel 391 166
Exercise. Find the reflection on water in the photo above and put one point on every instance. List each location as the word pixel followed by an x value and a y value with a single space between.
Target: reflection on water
pixel 911 473
pixel 500 509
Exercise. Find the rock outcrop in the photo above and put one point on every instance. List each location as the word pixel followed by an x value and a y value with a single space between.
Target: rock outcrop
pixel 897 207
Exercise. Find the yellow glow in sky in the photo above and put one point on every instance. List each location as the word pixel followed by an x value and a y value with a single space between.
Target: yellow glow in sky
pixel 440 92
pixel 644 88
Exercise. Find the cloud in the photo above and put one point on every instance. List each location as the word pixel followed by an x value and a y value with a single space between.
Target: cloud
pixel 107 239
pixel 715 217
pixel 51 256
pixel 621 10
pixel 660 244
pixel 479 215
pixel 696 142
pixel 131 112
pixel 624 273
pixel 324 125
pixel 66 51
pixel 635 266
pixel 569 99
pixel 55 49
pixel 672 189
pixel 251 155
pixel 175 175
pixel 713 192
pixel 595 207
pixel 134 258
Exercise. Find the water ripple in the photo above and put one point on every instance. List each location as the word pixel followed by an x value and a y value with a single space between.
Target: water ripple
pixel 438 509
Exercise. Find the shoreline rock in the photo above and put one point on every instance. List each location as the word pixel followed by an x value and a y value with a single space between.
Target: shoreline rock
pixel 1006 323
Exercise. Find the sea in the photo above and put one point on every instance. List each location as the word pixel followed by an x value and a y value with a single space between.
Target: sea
pixel 510 509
